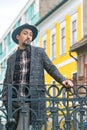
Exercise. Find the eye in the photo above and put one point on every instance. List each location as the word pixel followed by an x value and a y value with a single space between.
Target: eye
pixel 25 33
pixel 31 34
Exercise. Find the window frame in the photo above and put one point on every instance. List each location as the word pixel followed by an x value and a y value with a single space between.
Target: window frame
pixel 53 44
pixel 73 18
pixel 63 38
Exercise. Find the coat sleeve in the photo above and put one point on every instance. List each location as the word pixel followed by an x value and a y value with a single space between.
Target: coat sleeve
pixel 51 68
pixel 7 79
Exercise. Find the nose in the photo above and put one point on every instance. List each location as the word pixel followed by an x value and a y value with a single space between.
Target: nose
pixel 29 36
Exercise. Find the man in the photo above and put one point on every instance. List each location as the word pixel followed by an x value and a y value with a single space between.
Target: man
pixel 26 67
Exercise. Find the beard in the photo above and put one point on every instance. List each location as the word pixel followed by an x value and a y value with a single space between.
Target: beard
pixel 25 44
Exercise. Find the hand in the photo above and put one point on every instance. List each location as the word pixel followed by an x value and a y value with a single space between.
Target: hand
pixel 68 83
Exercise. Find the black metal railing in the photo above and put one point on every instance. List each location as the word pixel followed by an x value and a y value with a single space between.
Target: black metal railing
pixel 52 107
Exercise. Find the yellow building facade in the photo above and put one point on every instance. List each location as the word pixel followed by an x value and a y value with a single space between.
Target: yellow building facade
pixel 59 30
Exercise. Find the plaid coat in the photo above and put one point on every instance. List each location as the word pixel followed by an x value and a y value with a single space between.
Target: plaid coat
pixel 39 62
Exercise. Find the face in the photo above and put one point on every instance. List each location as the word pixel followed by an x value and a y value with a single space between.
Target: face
pixel 24 38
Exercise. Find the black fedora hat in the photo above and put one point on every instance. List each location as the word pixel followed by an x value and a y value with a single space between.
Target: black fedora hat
pixel 20 28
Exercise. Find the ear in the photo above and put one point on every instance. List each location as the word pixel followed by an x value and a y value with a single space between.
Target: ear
pixel 17 37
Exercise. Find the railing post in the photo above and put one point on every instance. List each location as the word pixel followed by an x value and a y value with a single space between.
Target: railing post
pixel 55 119
pixel 9 102
pixel 68 118
pixel 54 111
pixel 81 119
pixel 10 120
pixel 39 120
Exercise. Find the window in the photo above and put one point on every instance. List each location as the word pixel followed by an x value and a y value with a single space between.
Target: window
pixel 4 45
pixel 11 40
pixel 81 65
pixel 0 67
pixel 74 28
pixel 74 31
pixel 33 8
pixel 25 17
pixel 75 78
pixel 63 46
pixel 19 21
pixel 85 68
pixel 0 48
pixel 9 36
pixel 53 47
pixel 4 64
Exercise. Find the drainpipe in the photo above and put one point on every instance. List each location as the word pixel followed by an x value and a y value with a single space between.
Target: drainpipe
pixel 73 56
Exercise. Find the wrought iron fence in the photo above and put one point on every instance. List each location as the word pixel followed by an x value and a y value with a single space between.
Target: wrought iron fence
pixel 52 107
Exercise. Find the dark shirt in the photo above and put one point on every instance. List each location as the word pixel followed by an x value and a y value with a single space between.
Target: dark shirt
pixel 22 68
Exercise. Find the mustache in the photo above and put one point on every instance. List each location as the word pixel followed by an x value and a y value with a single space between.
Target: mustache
pixel 24 44
pixel 27 40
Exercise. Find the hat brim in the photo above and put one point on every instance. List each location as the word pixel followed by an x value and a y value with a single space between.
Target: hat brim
pixel 20 28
